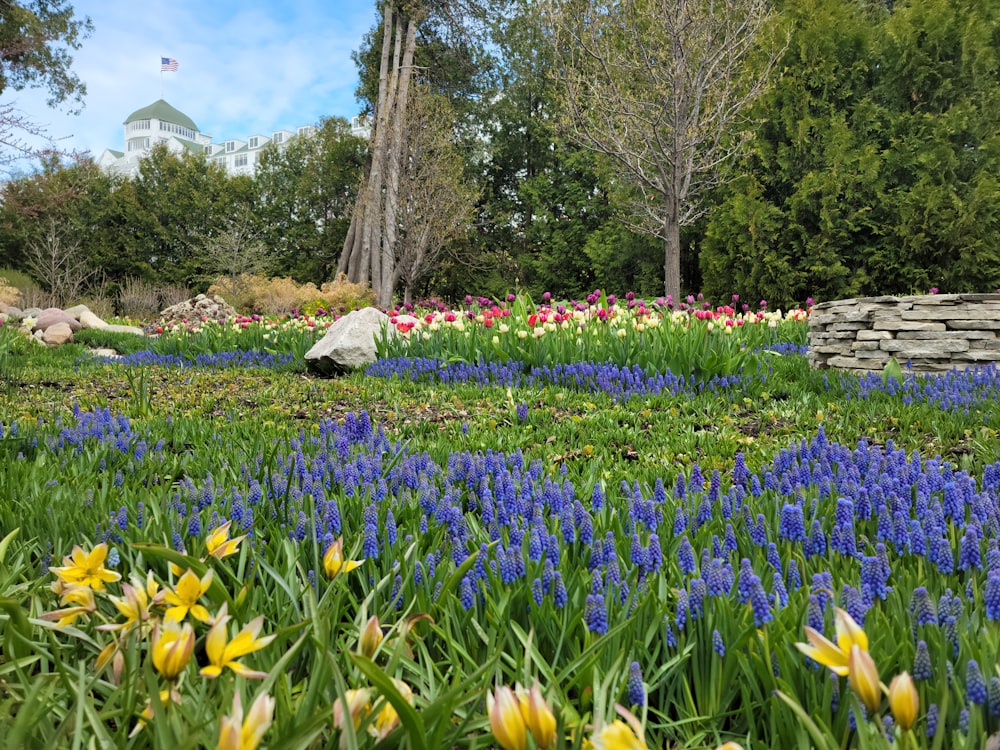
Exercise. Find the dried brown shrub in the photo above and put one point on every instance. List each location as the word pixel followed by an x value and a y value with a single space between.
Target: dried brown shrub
pixel 341 293
pixel 138 299
pixel 278 296
pixel 35 296
pixel 9 295
pixel 173 294
pixel 100 304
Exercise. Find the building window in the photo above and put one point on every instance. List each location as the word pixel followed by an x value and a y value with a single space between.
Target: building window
pixel 138 144
pixel 253 142
pixel 307 130
pixel 169 127
pixel 240 161
pixel 278 138
pixel 230 146
pixel 138 125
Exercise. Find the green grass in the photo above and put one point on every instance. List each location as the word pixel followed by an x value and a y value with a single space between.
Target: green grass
pixel 219 428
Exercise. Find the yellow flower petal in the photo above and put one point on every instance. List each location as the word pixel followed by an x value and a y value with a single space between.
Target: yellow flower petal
pixel 849 633
pixel 863 678
pixel 506 721
pixel 904 700
pixel 618 736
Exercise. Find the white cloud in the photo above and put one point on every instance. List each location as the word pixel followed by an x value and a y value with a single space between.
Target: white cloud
pixel 245 67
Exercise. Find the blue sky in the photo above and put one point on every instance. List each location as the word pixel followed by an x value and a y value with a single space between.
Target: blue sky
pixel 245 67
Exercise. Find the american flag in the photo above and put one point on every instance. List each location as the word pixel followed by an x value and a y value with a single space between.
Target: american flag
pixel 168 64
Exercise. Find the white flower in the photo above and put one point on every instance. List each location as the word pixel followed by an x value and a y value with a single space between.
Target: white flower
pixel 28 322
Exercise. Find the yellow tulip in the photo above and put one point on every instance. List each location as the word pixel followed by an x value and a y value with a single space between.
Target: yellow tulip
pixel 388 718
pixel 537 715
pixel 167 698
pixel 86 568
pixel 134 606
pixel 218 543
pixel 185 596
pixel 863 678
pixel 904 700
pixel 730 746
pixel 356 704
pixel 370 638
pixel 235 733
pixel 172 648
pixel 506 721
pixel 334 562
pixel 222 654
pixel 82 597
pixel 835 655
pixel 618 736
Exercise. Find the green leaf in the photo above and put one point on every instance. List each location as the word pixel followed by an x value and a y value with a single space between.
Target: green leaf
pixel 822 739
pixel 408 716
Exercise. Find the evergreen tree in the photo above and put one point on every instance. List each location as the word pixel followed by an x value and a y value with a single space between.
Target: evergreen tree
pixel 306 190
pixel 804 211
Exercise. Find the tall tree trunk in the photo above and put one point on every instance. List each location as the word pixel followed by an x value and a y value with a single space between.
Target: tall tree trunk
pixel 369 251
pixel 366 240
pixel 397 149
pixel 672 253
pixel 345 254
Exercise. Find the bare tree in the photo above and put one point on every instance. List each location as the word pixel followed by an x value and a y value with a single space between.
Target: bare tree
pixel 58 263
pixel 17 133
pixel 37 38
pixel 661 87
pixel 436 199
pixel 235 254
pixel 369 248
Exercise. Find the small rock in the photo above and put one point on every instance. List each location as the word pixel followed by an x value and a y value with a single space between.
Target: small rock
pixel 57 333
pixel 106 353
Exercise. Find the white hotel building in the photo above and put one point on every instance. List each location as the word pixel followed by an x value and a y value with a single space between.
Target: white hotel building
pixel 162 123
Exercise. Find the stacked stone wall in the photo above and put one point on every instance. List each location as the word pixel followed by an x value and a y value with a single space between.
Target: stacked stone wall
pixel 930 333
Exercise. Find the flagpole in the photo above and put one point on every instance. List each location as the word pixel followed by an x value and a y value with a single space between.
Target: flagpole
pixel 161 77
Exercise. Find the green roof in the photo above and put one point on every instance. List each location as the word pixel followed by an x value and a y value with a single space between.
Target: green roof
pixel 164 112
pixel 196 148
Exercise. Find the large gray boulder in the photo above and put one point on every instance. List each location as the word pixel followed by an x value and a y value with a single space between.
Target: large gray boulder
pixel 350 342
pixel 77 310
pixel 90 320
